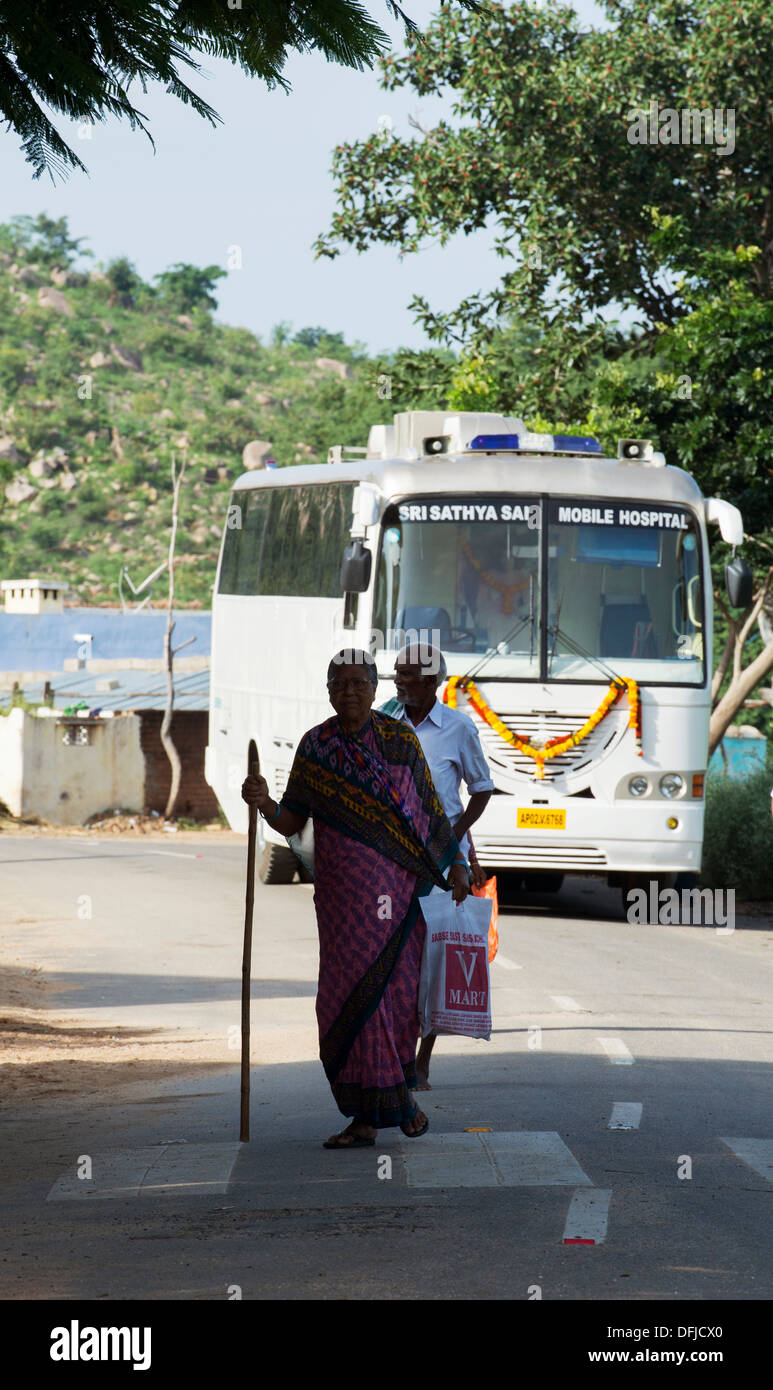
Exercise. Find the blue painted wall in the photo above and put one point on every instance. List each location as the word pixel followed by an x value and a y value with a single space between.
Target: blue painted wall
pixel 42 641
pixel 745 756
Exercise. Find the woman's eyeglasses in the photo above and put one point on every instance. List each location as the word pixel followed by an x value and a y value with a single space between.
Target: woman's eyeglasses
pixel 356 684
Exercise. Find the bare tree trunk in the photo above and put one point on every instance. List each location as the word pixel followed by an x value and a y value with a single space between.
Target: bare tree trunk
pixel 727 651
pixel 166 723
pixel 742 679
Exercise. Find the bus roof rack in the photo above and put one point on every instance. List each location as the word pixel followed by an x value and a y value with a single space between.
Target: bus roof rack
pixel 424 434
pixel 336 452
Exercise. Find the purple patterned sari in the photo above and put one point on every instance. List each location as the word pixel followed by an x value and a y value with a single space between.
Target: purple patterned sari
pixel 381 840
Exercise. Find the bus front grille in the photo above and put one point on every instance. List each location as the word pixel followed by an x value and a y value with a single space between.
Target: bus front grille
pixel 538 728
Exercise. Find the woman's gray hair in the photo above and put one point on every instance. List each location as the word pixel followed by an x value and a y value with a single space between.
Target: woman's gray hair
pixel 352 656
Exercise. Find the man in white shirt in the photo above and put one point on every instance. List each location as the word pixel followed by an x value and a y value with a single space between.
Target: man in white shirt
pixel 451 746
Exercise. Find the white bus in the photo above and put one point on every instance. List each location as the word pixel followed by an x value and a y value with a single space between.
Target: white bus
pixel 544 570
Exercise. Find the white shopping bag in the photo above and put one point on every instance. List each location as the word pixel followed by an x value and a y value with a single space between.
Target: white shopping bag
pixel 454 991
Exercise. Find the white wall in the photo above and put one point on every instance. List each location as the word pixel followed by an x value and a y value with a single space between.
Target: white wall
pixel 64 784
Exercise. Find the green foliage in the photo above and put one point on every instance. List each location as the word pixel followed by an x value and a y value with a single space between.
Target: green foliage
pixel 541 145
pixel 46 240
pixel 13 363
pixel 319 338
pixel 91 502
pixel 280 333
pixel 406 380
pixel 17 701
pixel 81 61
pixel 544 143
pixel 737 836
pixel 184 287
pixel 721 353
pixel 123 278
pixel 216 385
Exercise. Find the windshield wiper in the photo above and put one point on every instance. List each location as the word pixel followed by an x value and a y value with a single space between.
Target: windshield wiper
pixel 518 627
pixel 578 650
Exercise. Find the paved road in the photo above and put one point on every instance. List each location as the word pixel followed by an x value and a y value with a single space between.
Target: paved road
pixel 624 1100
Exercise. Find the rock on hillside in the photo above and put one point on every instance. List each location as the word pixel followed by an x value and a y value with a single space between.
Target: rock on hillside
pixel 127 357
pixel 50 298
pixel 255 453
pixel 10 451
pixel 20 491
pixel 332 364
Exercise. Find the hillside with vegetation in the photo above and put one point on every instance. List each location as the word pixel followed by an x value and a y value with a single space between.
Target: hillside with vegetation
pixel 104 376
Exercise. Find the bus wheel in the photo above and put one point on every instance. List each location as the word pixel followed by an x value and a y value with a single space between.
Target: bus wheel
pixel 277 864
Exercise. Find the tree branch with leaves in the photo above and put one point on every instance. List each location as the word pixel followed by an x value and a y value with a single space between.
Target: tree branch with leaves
pixel 80 60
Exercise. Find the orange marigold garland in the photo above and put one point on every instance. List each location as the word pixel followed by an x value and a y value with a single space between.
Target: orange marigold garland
pixel 554 746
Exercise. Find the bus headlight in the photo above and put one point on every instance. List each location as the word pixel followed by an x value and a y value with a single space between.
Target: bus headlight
pixel 638 786
pixel 671 785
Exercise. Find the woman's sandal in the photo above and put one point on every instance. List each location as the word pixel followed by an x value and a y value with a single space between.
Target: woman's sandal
pixel 416 1133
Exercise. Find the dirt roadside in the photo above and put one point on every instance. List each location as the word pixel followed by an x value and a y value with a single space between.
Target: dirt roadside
pixel 45 1055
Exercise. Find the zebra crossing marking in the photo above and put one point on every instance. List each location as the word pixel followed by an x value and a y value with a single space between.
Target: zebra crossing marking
pixel 157 1170
pixel 521 1158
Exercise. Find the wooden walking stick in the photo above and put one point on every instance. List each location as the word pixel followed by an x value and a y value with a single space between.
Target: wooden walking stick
pixel 252 830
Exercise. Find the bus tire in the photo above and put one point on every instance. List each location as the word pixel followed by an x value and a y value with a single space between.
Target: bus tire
pixel 277 864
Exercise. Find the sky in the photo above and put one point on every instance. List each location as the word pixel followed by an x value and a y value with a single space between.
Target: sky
pixel 259 181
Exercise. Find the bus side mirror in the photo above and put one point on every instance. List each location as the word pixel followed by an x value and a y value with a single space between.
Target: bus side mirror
pixel 739 582
pixel 355 568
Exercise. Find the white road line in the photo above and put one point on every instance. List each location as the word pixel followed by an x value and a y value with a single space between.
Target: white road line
pixel 617 1052
pixel 626 1114
pixel 519 1158
pixel 499 959
pixel 569 1005
pixel 758 1153
pixel 174 854
pixel 155 1170
pixel 588 1214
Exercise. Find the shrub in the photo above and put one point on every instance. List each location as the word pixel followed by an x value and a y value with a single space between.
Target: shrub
pixel 92 503
pixel 738 836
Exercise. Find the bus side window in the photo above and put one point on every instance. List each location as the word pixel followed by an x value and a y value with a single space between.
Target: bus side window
pixel 245 529
pixel 302 543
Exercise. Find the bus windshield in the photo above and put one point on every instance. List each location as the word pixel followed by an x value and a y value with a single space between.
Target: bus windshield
pixel 573 590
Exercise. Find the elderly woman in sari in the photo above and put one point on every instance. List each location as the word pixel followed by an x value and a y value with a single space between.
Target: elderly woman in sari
pixel 381 841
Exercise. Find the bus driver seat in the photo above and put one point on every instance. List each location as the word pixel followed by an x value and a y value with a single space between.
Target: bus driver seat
pixel 432 624
pixel 626 626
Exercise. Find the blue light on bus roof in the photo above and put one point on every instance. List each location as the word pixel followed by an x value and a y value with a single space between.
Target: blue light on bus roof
pixel 576 444
pixel 561 443
pixel 495 441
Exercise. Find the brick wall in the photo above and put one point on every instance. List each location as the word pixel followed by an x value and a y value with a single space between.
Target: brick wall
pixel 189 734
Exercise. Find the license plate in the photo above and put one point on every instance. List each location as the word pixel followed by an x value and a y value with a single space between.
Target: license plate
pixel 533 818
